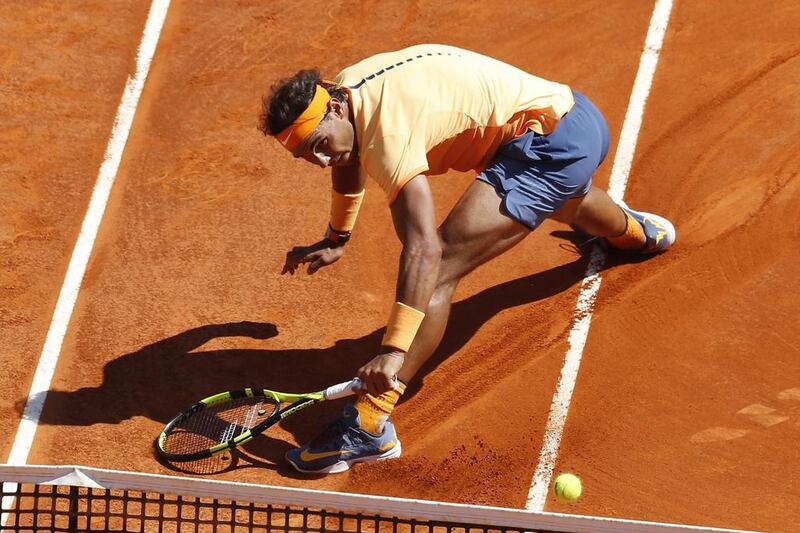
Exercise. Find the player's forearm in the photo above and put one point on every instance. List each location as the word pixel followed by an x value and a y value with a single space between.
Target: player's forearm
pixel 419 269
pixel 416 280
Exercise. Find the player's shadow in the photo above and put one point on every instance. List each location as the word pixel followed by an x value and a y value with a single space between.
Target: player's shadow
pixel 159 379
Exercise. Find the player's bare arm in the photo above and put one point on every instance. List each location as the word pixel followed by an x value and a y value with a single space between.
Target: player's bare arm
pixel 415 223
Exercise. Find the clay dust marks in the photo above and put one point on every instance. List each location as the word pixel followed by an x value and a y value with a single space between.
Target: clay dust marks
pixel 790 394
pixel 725 116
pixel 752 415
pixel 763 170
pixel 748 122
pixel 762 415
pixel 717 434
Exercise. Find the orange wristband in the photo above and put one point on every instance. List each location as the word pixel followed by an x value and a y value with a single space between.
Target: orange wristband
pixel 344 210
pixel 404 321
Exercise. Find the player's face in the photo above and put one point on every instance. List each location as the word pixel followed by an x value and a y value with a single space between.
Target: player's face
pixel 331 143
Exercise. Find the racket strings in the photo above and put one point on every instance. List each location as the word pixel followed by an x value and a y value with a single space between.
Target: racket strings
pixel 218 423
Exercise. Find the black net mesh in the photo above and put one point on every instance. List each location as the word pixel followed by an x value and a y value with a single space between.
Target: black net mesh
pixel 63 508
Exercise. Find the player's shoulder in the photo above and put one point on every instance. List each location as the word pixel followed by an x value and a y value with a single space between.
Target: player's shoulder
pixel 379 63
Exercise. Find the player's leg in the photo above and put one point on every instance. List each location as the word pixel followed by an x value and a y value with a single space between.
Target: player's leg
pixel 583 133
pixel 624 228
pixel 596 214
pixel 475 231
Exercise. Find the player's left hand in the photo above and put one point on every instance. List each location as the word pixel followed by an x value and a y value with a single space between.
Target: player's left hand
pixel 318 255
pixel 380 374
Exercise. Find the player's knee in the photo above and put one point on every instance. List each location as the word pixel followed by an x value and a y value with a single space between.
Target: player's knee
pixel 566 218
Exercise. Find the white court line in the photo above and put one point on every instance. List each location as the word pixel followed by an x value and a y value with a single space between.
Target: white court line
pixel 582 317
pixel 83 247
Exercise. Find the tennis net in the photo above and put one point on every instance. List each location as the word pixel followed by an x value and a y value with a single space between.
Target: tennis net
pixel 76 499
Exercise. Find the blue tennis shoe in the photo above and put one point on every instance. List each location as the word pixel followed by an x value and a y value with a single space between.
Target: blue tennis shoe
pixel 659 232
pixel 342 444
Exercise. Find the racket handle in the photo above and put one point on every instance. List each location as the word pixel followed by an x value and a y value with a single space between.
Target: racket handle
pixel 342 390
pixel 348 388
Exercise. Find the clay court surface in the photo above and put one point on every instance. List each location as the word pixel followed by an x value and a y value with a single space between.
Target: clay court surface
pixel 687 404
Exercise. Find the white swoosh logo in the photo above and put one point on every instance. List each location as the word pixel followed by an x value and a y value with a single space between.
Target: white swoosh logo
pixel 288 136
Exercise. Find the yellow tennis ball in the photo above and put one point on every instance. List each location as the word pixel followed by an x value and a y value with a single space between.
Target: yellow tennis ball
pixel 568 487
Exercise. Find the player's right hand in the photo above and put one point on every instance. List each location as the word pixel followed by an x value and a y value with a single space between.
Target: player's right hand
pixel 318 255
pixel 380 374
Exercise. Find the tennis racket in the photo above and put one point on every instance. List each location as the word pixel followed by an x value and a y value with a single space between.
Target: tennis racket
pixel 229 419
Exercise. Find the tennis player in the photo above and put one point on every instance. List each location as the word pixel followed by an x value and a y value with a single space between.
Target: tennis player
pixel 402 117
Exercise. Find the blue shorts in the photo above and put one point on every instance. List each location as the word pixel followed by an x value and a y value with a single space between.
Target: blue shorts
pixel 536 174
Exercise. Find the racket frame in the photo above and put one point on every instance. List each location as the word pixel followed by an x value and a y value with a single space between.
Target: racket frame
pixel 296 403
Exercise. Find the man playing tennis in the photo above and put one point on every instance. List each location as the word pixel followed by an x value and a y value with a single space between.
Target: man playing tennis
pixel 400 117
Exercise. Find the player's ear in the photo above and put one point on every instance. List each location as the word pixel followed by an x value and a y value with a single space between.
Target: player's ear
pixel 335 106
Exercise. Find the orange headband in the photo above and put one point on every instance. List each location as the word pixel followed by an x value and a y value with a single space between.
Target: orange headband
pixel 307 121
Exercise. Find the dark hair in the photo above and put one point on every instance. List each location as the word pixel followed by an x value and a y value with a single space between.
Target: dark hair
pixel 288 98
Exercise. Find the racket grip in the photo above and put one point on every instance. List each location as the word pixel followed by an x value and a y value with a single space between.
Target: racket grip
pixel 342 390
pixel 348 388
